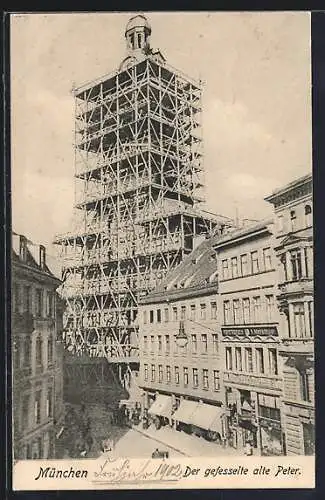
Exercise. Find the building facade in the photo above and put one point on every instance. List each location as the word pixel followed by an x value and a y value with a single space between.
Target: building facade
pixel 294 250
pixel 36 354
pixel 247 272
pixel 180 363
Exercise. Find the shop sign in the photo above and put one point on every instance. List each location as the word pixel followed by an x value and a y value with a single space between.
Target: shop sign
pixel 270 424
pixel 250 331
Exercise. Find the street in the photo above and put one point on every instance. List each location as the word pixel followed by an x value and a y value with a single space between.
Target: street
pixel 136 445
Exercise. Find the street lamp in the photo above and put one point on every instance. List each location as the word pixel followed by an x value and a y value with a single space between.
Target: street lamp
pixel 181 338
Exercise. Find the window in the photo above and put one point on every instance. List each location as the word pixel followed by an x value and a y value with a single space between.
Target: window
pixel 205 375
pixel 158 316
pixel 153 373
pixel 25 412
pixel 238 358
pixel 39 302
pixel 246 311
pixel 228 358
pixel 311 318
pixel 145 319
pixel 168 374
pixel 145 372
pixel 139 40
pixel 248 359
pixel 295 258
pixel 27 352
pixel 304 385
pixel 260 360
pixel 234 267
pixel 226 312
pixel 145 343
pixel 299 320
pixel 185 374
pixel 152 343
pixel 194 343
pixel 216 380
pixel 244 264
pixel 167 341
pixel 175 315
pixel 176 375
pixel 166 314
pixel 49 403
pixel 215 346
pixel 204 341
pixel 183 312
pixel 213 310
pixel 132 40
pixel 270 308
pixel 280 223
pixel 293 220
pixel 192 312
pixel 255 264
pixel 273 362
pixel 236 311
pixel 39 357
pixel 203 311
pixel 159 343
pixel 16 354
pixel 37 407
pixel 306 262
pixel 151 316
pixel 15 297
pixel 50 350
pixel 195 378
pixel 225 269
pixel 308 216
pixel 49 304
pixel 267 260
pixel 27 297
pixel 257 309
pixel 160 373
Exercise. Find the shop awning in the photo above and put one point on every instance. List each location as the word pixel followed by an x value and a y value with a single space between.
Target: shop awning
pixel 208 417
pixel 162 406
pixel 185 411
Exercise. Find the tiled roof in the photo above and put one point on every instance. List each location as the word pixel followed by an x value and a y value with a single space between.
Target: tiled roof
pixel 245 231
pixel 32 257
pixel 197 270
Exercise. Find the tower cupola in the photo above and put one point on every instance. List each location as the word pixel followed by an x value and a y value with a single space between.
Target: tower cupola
pixel 137 33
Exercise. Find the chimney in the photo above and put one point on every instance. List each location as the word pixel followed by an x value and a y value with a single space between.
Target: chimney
pixel 42 256
pixel 23 247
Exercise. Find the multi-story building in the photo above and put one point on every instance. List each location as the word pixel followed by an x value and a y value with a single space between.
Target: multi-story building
pixel 180 364
pixel 37 357
pixel 250 321
pixel 294 249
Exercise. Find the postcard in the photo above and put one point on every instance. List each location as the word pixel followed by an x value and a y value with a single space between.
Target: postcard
pixel 162 251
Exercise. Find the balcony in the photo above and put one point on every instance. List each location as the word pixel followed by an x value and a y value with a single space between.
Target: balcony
pixel 260 381
pixel 301 287
pixel 297 346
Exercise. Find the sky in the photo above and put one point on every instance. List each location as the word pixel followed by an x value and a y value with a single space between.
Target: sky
pixel 256 104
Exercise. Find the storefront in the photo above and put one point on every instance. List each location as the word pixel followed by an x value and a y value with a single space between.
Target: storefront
pixel 269 420
pixel 160 411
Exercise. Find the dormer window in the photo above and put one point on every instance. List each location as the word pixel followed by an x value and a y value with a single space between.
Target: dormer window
pixel 308 215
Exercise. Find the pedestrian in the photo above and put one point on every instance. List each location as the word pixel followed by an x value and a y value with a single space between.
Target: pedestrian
pixel 248 448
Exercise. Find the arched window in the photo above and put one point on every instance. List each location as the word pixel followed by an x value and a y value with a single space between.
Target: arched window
pixel 308 215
